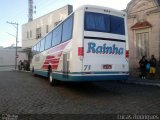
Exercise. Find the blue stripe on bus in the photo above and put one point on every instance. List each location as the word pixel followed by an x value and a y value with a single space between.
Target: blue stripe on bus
pixel 86 77
pixel 42 73
pixel 88 73
pixel 62 77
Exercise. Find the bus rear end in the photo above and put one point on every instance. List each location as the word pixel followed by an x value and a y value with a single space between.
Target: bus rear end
pixel 104 51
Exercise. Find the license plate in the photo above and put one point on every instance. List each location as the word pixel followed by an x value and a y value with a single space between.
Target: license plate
pixel 107 66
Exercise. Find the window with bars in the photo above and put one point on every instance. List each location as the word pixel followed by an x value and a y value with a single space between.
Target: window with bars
pixel 38 32
pixel 30 34
pixel 27 34
pixel 47 28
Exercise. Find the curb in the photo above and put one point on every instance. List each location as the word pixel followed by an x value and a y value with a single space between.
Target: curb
pixel 20 70
pixel 146 83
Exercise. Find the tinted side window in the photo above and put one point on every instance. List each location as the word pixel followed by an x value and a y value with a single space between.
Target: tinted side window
pixel 117 25
pixel 67 29
pixel 33 50
pixel 48 41
pixel 38 47
pixel 42 44
pixel 96 22
pixel 56 39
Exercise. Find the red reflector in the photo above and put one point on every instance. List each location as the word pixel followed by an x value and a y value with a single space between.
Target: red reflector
pixel 127 53
pixel 80 51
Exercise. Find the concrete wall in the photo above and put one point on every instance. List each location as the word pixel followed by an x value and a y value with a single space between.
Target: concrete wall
pixel 7 56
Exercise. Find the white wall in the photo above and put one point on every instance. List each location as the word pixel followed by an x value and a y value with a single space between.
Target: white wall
pixel 7 57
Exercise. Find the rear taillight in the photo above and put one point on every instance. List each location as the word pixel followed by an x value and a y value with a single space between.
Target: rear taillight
pixel 80 51
pixel 127 54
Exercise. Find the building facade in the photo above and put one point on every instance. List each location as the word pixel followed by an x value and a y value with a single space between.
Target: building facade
pixel 38 28
pixel 143 30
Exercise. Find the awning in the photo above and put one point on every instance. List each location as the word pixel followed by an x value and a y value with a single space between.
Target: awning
pixel 141 25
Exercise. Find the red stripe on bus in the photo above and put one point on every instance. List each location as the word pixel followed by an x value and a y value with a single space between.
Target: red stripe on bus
pixel 50 57
pixel 46 62
pixel 53 66
pixel 53 60
pixel 59 47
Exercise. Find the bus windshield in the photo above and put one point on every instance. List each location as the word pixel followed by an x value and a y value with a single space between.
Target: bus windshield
pixel 99 22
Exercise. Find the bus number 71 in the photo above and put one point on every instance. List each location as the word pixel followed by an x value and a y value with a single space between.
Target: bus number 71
pixel 87 67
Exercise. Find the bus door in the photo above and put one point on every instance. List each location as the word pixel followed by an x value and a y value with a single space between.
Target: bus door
pixel 65 65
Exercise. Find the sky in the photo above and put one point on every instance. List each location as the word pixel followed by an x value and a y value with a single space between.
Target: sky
pixel 16 11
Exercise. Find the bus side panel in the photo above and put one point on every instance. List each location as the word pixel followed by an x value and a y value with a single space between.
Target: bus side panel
pixel 77 41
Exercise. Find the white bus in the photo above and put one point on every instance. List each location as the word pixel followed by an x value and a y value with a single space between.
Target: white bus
pixel 91 44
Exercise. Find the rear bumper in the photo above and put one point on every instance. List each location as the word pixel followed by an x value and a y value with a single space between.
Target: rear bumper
pixel 93 77
pixel 82 77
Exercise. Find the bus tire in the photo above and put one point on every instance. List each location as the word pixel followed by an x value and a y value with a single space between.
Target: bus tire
pixel 33 72
pixel 50 78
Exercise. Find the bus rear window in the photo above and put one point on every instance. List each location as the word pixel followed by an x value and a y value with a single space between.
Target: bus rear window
pixel 99 22
pixel 96 22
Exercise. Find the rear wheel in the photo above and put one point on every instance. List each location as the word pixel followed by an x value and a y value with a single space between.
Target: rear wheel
pixel 33 73
pixel 32 70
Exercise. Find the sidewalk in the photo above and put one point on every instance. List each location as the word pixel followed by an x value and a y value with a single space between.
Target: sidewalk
pixel 147 82
pixel 7 68
pixel 21 70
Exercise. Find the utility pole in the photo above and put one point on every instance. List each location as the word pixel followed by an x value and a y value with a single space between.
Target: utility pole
pixel 16 26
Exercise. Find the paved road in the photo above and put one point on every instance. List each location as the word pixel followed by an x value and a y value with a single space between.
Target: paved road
pixel 21 93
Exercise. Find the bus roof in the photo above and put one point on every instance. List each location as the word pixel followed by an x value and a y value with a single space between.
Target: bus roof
pixel 100 7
